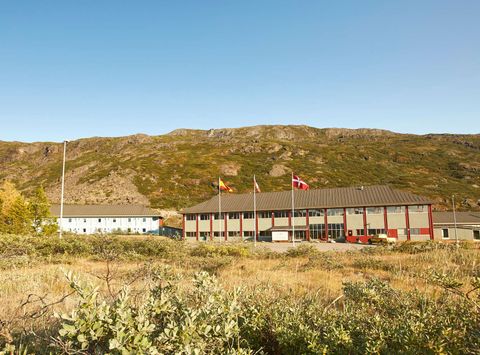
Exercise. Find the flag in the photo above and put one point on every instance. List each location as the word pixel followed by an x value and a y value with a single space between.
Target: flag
pixel 299 183
pixel 255 185
pixel 224 187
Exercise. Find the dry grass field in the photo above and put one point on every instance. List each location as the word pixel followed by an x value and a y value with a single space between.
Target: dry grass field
pixel 36 286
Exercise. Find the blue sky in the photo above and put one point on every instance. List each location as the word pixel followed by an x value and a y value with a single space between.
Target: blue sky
pixel 71 69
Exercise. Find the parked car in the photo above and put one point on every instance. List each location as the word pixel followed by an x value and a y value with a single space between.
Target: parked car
pixel 381 239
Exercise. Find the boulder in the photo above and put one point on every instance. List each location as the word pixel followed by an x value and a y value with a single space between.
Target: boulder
pixel 278 170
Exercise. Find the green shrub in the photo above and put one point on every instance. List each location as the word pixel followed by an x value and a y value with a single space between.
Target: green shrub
pixel 423 247
pixel 97 247
pixel 211 250
pixel 371 317
pixel 301 250
pixel 204 318
pixel 262 252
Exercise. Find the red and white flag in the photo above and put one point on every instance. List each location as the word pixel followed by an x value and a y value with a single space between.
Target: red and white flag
pixel 255 185
pixel 299 183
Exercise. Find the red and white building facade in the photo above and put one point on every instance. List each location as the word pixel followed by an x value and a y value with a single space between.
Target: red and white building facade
pixel 354 214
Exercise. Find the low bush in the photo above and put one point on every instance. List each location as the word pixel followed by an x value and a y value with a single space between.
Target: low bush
pixel 96 247
pixel 423 247
pixel 213 250
pixel 302 250
pixel 205 318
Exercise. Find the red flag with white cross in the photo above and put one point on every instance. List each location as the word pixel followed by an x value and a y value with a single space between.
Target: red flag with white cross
pixel 299 183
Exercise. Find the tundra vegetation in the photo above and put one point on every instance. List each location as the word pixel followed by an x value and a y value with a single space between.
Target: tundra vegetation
pixel 119 295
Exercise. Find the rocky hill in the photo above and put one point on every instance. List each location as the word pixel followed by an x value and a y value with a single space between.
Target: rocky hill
pixel 177 169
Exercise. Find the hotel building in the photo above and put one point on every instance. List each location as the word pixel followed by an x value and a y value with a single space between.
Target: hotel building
pixel 351 213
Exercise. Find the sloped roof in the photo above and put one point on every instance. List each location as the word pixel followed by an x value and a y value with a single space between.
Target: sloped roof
pixel 103 211
pixel 325 198
pixel 462 218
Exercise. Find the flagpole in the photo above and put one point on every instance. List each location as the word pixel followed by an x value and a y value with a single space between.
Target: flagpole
pixel 254 211
pixel 219 210
pixel 293 213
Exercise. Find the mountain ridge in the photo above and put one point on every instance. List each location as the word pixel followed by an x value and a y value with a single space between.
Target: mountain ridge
pixel 175 170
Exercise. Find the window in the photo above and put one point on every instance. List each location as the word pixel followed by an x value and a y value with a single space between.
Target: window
pixel 191 234
pixel 445 233
pixel 335 212
pixel 316 213
pixel 84 230
pixel 99 220
pixel 281 214
pixel 248 215
pixel 248 233
pixel 144 230
pixel 419 208
pixel 216 234
pixel 476 235
pixel 360 231
pixel 144 219
pixel 84 220
pixel 190 217
pixel 317 231
pixel 114 220
pixel 300 235
pixel 70 220
pixel 204 217
pixel 402 231
pixel 335 230
pixel 355 210
pixel 396 209
pixel 129 230
pixel 233 234
pixel 376 231
pixel 129 219
pixel 234 215
pixel 374 210
pixel 264 214
pixel 415 231
pixel 217 216
pixel 204 235
pixel 300 213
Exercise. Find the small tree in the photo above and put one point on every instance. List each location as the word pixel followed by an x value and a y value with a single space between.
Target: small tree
pixel 42 221
pixel 14 213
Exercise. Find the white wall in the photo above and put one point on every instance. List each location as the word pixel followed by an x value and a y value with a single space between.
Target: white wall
pixel 93 225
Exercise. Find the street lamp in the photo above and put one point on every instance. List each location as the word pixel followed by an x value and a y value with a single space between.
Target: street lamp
pixel 63 187
pixel 455 220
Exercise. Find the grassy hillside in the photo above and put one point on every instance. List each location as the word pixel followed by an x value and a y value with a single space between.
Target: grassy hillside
pixel 176 170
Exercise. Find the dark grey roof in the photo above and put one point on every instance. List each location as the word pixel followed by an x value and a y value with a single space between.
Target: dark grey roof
pixel 442 218
pixel 325 198
pixel 103 211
